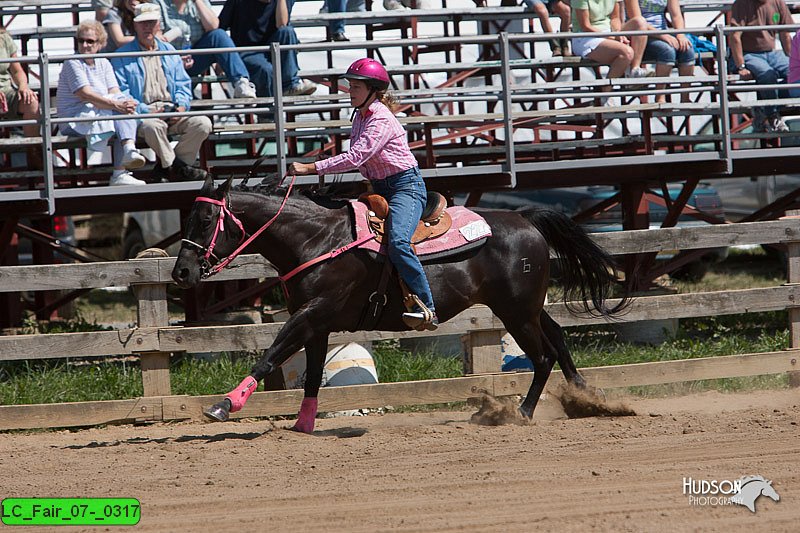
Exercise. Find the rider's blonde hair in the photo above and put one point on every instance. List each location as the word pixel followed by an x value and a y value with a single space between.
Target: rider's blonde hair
pixel 387 99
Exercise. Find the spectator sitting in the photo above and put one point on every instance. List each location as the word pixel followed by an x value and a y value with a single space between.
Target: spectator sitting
pixel 336 28
pixel 258 23
pixel 160 84
pixel 753 54
pixel 20 102
pixel 665 50
pixel 543 9
pixel 88 88
pixel 101 8
pixel 794 66
pixel 192 23
pixel 620 53
pixel 119 23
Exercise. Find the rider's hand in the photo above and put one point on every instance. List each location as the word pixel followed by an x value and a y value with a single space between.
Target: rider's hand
pixel 299 169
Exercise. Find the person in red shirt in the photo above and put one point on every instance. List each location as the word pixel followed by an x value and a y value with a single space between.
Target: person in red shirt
pixel 379 150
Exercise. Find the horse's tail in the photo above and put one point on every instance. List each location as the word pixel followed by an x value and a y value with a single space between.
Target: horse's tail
pixel 588 273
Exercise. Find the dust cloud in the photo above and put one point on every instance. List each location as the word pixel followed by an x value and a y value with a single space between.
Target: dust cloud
pixel 583 403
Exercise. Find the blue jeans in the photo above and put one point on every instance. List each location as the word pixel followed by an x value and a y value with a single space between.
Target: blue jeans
pixel 231 63
pixel 767 68
pixel 658 51
pixel 259 64
pixel 406 194
pixel 336 6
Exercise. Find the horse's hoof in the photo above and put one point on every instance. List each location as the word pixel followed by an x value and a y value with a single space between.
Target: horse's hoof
pixel 526 413
pixel 219 412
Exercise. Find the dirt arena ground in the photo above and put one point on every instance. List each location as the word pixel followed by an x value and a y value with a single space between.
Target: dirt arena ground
pixel 432 471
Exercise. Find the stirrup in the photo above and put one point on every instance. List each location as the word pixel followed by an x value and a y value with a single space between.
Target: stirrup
pixel 425 319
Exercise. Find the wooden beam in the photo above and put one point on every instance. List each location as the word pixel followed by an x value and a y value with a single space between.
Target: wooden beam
pixel 117 273
pixel 51 415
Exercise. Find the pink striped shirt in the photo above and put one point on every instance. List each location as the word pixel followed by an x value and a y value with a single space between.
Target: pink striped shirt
pixel 378 147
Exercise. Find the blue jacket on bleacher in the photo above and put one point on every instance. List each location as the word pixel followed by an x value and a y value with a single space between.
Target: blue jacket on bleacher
pixel 130 75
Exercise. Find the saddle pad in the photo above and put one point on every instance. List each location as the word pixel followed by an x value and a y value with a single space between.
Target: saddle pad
pixel 468 227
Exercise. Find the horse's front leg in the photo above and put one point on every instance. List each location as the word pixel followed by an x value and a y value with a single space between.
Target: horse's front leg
pixel 316 350
pixel 298 330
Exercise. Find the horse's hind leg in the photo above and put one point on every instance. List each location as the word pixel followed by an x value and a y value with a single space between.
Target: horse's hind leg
pixel 554 336
pixel 530 337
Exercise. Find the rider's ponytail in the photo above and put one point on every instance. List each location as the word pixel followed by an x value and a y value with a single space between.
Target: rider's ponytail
pixel 387 99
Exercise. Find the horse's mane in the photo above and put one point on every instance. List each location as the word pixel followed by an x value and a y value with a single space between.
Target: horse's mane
pixel 749 479
pixel 331 196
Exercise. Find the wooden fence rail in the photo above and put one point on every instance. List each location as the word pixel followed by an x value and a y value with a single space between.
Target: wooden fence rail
pixel 154 339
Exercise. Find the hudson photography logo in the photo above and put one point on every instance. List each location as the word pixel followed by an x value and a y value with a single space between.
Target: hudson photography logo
pixel 743 491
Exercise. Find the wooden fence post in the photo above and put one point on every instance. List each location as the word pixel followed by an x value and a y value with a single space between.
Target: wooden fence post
pixel 793 276
pixel 151 307
pixel 483 351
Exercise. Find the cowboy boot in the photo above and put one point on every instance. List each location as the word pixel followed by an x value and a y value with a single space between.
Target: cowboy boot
pixel 421 318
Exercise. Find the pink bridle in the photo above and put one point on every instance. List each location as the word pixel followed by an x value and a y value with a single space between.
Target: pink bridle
pixel 207 268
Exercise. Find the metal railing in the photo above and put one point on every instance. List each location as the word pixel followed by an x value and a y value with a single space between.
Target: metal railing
pixel 510 93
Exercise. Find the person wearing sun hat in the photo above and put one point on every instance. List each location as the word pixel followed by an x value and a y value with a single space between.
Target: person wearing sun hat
pixel 160 84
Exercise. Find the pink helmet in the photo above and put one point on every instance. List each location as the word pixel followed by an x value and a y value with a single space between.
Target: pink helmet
pixel 370 71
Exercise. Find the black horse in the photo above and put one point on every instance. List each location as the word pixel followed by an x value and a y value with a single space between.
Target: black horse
pixel 509 273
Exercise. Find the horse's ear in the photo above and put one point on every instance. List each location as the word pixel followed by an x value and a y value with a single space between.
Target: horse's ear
pixel 208 184
pixel 225 188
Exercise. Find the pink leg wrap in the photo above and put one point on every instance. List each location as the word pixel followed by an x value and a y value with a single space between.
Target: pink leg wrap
pixel 306 416
pixel 240 394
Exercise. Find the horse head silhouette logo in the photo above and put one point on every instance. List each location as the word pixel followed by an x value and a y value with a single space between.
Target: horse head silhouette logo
pixel 752 488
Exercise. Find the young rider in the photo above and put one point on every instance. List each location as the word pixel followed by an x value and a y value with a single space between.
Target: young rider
pixel 379 150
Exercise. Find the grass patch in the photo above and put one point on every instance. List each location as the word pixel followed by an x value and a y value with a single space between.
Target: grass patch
pixel 394 364
pixel 697 337
pixel 60 380
pixel 54 381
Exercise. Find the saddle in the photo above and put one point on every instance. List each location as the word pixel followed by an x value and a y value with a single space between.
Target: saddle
pixel 435 220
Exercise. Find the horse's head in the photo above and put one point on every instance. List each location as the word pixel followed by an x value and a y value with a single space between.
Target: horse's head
pixel 768 491
pixel 212 233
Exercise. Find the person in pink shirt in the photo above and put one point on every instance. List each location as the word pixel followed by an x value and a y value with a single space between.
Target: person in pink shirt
pixel 379 150
pixel 794 66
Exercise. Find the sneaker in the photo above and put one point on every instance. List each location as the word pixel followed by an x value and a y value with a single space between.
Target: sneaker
pixel 640 72
pixel 133 159
pixel 303 87
pixel 124 178
pixel 243 88
pixel 775 123
pixel 393 5
pixel 339 37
